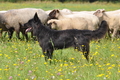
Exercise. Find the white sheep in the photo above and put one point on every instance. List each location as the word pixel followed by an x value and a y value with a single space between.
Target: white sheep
pixel 92 20
pixel 112 19
pixel 68 23
pixel 56 14
pixel 12 18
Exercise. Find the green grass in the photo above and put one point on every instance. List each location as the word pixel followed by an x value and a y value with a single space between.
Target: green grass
pixel 22 60
pixel 57 5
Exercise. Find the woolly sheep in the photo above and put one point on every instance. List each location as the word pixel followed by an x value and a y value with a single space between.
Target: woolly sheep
pixel 57 14
pixel 12 18
pixel 68 23
pixel 113 20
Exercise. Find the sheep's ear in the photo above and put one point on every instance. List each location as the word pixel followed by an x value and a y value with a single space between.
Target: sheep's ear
pixel 98 13
pixel 52 14
pixel 57 11
pixel 103 10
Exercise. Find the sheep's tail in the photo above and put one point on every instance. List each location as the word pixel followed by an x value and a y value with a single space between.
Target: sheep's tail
pixel 101 31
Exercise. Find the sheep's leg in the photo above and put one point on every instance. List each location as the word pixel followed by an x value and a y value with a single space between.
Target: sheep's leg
pixel 0 32
pixel 114 33
pixel 25 34
pixel 10 33
pixel 109 33
pixel 18 34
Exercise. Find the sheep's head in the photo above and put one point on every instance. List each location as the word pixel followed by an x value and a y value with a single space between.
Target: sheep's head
pixel 54 14
pixel 99 13
pixel 52 24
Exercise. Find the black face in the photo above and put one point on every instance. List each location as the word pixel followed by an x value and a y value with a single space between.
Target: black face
pixel 32 23
pixel 28 25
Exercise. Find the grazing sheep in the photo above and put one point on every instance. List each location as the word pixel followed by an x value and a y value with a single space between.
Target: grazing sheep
pixel 2 26
pixel 68 23
pixel 112 19
pixel 56 14
pixel 12 18
pixel 64 11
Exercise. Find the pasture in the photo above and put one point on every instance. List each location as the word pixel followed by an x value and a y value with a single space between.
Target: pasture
pixel 21 60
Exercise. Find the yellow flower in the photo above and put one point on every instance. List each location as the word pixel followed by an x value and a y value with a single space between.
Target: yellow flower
pixel 60 70
pixel 91 64
pixel 100 75
pixel 18 74
pixel 113 65
pixel 72 58
pixel 42 56
pixel 65 64
pixel 109 67
pixel 112 55
pixel 0 54
pixel 61 65
pixel 15 64
pixel 108 64
pixel 28 60
pixel 45 62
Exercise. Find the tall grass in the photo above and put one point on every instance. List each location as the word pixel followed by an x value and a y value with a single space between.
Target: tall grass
pixel 22 60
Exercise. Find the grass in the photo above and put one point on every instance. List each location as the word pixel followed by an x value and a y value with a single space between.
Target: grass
pixel 22 60
pixel 57 5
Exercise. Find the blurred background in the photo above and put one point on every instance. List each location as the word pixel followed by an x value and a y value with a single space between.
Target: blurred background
pixel 114 1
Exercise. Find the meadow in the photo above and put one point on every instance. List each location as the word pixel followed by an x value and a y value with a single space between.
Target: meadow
pixel 21 60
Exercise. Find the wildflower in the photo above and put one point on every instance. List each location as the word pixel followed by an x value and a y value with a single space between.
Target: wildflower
pixel 45 62
pixel 65 64
pixel 61 65
pixel 100 75
pixel 6 69
pixel 30 71
pixel 109 67
pixel 113 65
pixel 91 64
pixel 0 54
pixel 18 74
pixel 107 76
pixel 119 71
pixel 112 55
pixel 108 64
pixel 42 56
pixel 28 60
pixel 60 70
pixel 72 58
pixel 58 73
pixel 15 64
pixel 10 77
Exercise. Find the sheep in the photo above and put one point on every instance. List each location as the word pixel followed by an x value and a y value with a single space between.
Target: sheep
pixel 68 23
pixel 112 19
pixel 63 11
pixel 56 14
pixel 92 20
pixel 88 12
pixel 12 18
pixel 2 26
